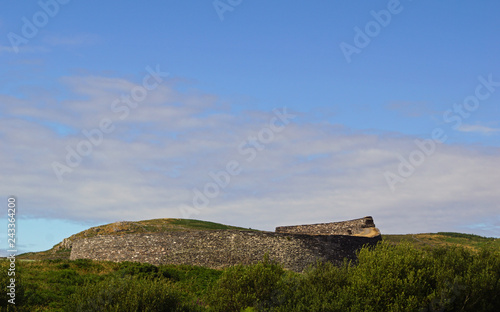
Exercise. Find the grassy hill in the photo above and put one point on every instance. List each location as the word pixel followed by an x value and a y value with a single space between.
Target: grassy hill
pixel 442 239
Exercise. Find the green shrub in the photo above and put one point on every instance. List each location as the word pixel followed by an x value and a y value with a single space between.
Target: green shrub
pixel 195 279
pixel 55 260
pixel 240 287
pixel 63 266
pixel 5 282
pixel 389 278
pixel 315 290
pixel 127 295
pixel 399 278
pixel 137 269
pixel 462 235
pixel 466 280
pixel 65 277
pixel 84 263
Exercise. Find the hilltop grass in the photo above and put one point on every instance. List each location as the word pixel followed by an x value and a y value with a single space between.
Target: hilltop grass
pixel 203 225
pixel 51 254
pixel 154 225
pixel 444 239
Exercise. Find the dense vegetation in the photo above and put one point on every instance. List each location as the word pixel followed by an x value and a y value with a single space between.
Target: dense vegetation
pixel 389 277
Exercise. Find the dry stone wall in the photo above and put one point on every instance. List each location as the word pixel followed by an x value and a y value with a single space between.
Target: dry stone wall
pixel 351 227
pixel 220 248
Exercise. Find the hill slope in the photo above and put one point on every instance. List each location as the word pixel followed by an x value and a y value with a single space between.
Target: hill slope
pixel 445 239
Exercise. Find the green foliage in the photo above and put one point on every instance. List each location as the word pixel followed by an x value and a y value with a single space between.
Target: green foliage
pixel 389 277
pixel 194 279
pixel 5 282
pixel 128 294
pixel 83 263
pixel 463 235
pixel 444 239
pixel 315 290
pixel 465 280
pixel 241 286
pixel 63 266
pixel 190 278
pixel 66 277
pixel 401 278
pixel 137 269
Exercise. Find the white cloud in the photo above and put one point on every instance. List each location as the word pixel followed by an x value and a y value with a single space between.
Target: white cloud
pixel 148 167
pixel 478 129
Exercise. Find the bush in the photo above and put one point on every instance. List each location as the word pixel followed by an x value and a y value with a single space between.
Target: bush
pixel 5 281
pixel 137 269
pixel 400 278
pixel 83 263
pixel 240 287
pixel 466 280
pixel 128 294
pixel 63 266
pixel 315 290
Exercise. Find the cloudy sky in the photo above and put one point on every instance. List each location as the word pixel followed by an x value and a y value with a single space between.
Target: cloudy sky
pixel 250 113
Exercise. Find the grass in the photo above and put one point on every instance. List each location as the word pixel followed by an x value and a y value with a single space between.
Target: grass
pixel 51 254
pixel 203 225
pixel 49 283
pixel 152 226
pixel 444 239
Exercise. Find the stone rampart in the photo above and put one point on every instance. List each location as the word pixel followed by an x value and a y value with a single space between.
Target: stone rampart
pixel 357 227
pixel 220 248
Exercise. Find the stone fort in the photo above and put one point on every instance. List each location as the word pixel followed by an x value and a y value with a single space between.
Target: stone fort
pixel 295 247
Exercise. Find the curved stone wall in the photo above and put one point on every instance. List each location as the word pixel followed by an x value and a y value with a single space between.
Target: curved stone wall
pixel 357 227
pixel 220 248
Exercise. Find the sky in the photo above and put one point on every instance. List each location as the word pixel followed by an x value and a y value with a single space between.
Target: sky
pixel 250 113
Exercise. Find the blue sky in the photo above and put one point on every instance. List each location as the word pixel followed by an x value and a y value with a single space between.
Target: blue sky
pixel 255 105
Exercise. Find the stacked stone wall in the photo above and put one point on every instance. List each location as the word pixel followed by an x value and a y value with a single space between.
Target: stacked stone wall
pixel 351 227
pixel 220 248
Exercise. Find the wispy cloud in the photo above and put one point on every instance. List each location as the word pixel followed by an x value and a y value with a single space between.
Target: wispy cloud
pixel 478 129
